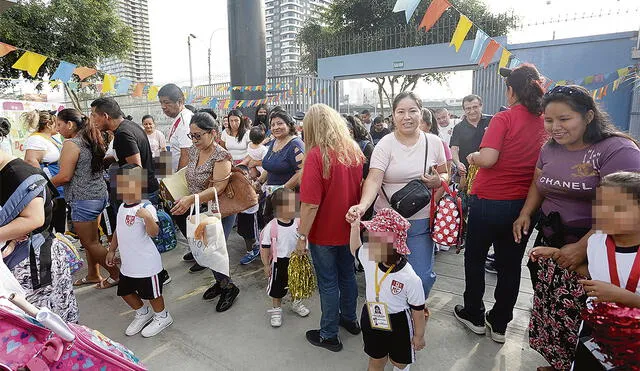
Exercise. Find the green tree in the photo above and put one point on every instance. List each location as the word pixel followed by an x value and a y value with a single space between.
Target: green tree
pixel 77 31
pixel 355 26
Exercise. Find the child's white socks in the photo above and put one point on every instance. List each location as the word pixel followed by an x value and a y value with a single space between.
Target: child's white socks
pixel 143 311
pixel 402 369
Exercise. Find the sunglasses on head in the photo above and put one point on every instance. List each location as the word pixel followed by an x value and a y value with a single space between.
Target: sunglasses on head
pixel 567 91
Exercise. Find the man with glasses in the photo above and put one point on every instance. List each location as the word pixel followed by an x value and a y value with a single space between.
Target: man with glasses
pixel 467 135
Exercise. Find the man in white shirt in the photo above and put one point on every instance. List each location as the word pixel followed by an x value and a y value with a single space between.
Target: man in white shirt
pixel 172 101
pixel 365 116
pixel 445 124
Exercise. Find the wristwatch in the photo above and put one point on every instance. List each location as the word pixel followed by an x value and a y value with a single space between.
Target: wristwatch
pixel 301 237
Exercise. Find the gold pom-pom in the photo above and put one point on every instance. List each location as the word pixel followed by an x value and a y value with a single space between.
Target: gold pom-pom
pixel 471 175
pixel 302 279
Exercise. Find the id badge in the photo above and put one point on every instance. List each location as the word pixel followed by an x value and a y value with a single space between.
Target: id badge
pixel 379 316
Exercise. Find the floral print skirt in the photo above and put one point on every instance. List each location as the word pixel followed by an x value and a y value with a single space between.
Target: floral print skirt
pixel 555 319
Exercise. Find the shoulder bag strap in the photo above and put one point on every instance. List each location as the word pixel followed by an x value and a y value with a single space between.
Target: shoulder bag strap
pixel 426 153
pixel 29 189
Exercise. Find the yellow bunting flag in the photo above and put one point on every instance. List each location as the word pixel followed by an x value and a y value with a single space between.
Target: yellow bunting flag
pixel 594 93
pixel 153 92
pixel 561 83
pixel 6 49
pixel 109 83
pixel 434 12
pixel 616 83
pixel 622 72
pixel 138 90
pixel 588 80
pixel 464 25
pixel 30 62
pixel 84 72
pixel 55 83
pixel 206 101
pixel 504 59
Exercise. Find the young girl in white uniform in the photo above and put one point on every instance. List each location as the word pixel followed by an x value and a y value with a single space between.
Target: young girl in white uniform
pixel 392 321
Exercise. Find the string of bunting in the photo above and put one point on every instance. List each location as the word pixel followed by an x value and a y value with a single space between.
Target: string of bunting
pixel 268 87
pixel 485 48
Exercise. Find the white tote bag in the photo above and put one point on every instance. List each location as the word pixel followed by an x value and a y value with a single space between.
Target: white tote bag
pixel 206 237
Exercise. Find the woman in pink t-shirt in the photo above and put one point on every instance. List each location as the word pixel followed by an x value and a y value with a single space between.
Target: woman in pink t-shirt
pixel 331 179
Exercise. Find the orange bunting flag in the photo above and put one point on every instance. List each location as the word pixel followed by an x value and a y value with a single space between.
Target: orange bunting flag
pixel 489 52
pixel 30 62
pixel 434 12
pixel 138 90
pixel 6 49
pixel 604 91
pixel 84 72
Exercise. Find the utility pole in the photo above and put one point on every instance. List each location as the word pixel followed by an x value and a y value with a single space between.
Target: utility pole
pixel 209 56
pixel 190 66
pixel 247 48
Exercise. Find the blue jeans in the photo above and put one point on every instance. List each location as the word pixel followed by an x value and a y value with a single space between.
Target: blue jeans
pixel 335 270
pixel 491 223
pixel 421 257
pixel 87 210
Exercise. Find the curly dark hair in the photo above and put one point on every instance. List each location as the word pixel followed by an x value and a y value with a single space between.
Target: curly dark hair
pixel 525 82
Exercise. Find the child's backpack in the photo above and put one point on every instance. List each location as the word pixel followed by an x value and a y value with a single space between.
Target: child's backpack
pixel 166 238
pixel 25 342
pixel 446 218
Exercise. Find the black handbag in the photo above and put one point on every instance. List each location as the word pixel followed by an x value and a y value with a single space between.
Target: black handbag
pixel 414 196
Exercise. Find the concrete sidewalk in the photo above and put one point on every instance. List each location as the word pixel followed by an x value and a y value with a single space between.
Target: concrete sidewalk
pixel 242 339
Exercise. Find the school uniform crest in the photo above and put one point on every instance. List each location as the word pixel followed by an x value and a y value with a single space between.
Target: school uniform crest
pixel 130 219
pixel 396 287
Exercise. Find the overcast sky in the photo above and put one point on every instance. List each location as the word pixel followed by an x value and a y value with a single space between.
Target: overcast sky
pixel 171 22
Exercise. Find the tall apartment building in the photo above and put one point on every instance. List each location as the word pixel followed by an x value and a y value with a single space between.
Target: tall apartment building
pixel 284 20
pixel 137 66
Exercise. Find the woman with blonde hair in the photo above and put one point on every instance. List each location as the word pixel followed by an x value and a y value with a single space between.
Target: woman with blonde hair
pixel 331 179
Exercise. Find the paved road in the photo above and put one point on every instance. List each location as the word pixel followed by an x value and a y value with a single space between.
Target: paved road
pixel 242 339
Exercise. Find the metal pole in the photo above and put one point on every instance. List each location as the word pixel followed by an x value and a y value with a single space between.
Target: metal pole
pixel 190 66
pixel 209 57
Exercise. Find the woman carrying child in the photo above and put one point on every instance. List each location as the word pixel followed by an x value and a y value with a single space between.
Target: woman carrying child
pixel 279 238
pixel 392 320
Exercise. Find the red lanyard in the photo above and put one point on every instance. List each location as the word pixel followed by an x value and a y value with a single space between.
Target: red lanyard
pixel 634 276
pixel 175 126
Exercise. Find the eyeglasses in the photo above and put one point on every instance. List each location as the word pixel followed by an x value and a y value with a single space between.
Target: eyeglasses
pixel 196 136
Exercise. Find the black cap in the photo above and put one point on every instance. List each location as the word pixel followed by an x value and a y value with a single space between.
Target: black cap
pixel 299 116
pixel 505 72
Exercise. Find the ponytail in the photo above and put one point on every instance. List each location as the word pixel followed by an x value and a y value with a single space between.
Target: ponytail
pixel 90 134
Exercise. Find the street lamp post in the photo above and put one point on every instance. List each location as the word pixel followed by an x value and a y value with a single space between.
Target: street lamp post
pixel 190 66
pixel 209 57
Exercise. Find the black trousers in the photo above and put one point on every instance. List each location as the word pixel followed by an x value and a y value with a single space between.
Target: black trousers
pixel 491 223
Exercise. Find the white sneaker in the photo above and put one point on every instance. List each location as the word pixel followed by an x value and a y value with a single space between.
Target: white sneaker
pixel 276 316
pixel 139 322
pixel 299 308
pixel 157 325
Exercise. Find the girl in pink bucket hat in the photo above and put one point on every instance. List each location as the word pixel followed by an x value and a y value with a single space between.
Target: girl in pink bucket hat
pixel 392 320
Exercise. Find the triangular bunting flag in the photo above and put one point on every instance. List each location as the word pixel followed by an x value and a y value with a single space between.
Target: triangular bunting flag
pixel 504 59
pixel 603 93
pixel 616 83
pixel 84 72
pixel 213 103
pixel 6 49
pixel 561 83
pixel 123 85
pixel 478 45
pixel 108 83
pixel 64 71
pixel 138 90
pixel 153 93
pixel 434 12
pixel 30 62
pixel 588 80
pixel 623 72
pixel 464 25
pixel 515 62
pixel 599 78
pixel 73 85
pixel 206 101
pixel 489 52
pixel 595 94
pixel 226 104
pixel 54 83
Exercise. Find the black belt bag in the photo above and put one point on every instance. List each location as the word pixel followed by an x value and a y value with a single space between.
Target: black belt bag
pixel 414 196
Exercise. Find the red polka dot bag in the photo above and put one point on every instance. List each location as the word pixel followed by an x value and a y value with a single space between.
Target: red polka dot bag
pixel 446 218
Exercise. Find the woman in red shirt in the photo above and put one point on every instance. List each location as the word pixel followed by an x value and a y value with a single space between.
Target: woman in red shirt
pixel 506 162
pixel 331 179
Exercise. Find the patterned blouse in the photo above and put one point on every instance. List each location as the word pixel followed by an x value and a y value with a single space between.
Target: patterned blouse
pixel 198 176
